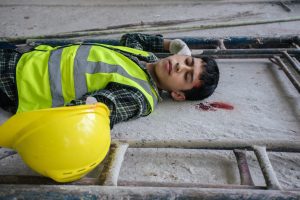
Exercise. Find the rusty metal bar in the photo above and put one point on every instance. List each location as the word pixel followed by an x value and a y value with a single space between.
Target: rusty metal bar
pixel 137 193
pixel 288 73
pixel 250 51
pixel 235 42
pixel 266 167
pixel 272 145
pixel 240 53
pixel 235 56
pixel 292 61
pixel 245 174
pixel 40 180
pixel 110 173
pixel 186 185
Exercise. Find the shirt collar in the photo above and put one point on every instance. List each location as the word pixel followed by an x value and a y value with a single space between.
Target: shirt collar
pixel 144 67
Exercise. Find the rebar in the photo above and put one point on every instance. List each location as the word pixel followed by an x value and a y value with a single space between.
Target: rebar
pixel 110 173
pixel 236 42
pixel 288 73
pixel 245 174
pixel 266 167
pixel 272 145
pixel 242 53
pixel 294 64
pixel 185 185
pixel 137 193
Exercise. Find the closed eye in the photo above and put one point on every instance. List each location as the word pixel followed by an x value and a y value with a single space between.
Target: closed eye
pixel 189 77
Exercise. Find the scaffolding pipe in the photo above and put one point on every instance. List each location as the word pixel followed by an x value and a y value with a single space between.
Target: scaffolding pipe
pixel 39 180
pixel 266 167
pixel 294 64
pixel 288 73
pixel 232 56
pixel 110 173
pixel 245 174
pixel 235 42
pixel 272 145
pixel 137 193
pixel 243 52
pixel 186 185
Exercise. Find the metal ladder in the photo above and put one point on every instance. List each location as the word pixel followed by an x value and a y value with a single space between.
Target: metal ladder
pixel 283 51
pixel 113 163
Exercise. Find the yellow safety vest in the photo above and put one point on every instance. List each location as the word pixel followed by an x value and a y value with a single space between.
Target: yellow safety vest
pixel 51 77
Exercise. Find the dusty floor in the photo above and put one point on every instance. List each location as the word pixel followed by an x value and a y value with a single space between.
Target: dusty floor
pixel 266 105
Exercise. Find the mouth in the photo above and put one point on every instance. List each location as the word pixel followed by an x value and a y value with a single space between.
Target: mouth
pixel 169 67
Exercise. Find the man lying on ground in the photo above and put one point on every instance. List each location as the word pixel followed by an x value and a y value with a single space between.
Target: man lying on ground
pixel 127 78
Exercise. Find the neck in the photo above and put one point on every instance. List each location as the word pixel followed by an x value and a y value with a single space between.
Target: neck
pixel 150 68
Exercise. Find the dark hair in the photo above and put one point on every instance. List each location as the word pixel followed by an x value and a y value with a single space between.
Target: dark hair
pixel 209 81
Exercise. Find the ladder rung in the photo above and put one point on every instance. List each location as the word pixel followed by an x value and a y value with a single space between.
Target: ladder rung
pixel 110 173
pixel 266 167
pixel 294 64
pixel 245 174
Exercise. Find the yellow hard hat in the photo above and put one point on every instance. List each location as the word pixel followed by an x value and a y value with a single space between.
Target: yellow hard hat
pixel 61 143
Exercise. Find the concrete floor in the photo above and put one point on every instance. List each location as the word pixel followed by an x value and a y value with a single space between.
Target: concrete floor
pixel 266 105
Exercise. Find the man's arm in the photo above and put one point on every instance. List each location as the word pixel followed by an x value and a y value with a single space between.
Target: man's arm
pixel 155 43
pixel 146 42
pixel 123 103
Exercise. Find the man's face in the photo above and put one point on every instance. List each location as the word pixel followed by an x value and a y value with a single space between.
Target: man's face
pixel 178 73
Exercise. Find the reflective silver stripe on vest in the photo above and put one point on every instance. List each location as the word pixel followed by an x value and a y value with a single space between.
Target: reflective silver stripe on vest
pixel 55 78
pixel 82 66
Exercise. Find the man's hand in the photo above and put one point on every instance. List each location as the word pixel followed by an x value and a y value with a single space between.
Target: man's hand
pixel 178 46
pixel 90 100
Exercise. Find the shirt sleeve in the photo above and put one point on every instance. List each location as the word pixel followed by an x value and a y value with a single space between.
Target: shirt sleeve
pixel 146 42
pixel 124 103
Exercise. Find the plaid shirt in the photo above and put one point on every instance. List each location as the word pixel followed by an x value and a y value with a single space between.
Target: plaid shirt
pixel 124 102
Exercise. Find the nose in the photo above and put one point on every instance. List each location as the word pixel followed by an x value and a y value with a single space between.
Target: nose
pixel 180 68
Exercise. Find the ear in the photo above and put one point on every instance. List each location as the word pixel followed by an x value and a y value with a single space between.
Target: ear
pixel 178 95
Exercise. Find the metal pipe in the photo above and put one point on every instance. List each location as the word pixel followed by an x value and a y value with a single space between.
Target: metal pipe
pixel 233 56
pixel 137 193
pixel 222 52
pixel 272 145
pixel 250 51
pixel 186 185
pixel 110 173
pixel 266 167
pixel 235 42
pixel 288 73
pixel 291 60
pixel 40 180
pixel 245 174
